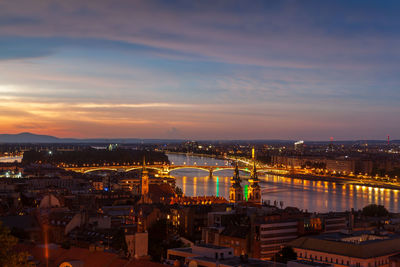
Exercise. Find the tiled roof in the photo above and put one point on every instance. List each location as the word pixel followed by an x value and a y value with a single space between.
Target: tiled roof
pixel 25 222
pixel 58 255
pixel 363 250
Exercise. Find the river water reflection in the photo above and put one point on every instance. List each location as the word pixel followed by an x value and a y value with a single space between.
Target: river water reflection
pixel 10 159
pixel 319 196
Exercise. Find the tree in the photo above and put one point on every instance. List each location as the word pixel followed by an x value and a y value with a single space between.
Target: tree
pixel 160 239
pixel 118 242
pixel 8 256
pixel 374 210
pixel 285 254
pixel 158 232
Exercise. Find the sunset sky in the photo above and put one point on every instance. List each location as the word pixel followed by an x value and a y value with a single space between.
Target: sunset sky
pixel 201 69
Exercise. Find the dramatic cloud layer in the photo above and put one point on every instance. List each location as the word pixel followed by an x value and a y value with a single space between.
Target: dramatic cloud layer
pixel 200 69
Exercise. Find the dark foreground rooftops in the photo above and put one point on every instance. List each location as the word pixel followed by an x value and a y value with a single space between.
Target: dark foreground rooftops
pixel 361 245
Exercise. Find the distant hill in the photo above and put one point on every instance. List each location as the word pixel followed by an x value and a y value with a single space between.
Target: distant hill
pixel 30 138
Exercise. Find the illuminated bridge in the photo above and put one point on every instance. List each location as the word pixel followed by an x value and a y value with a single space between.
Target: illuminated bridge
pixel 162 169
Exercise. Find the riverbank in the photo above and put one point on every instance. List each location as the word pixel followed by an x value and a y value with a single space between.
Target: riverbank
pixel 324 195
pixel 356 182
pixel 196 155
pixel 311 177
pixel 12 159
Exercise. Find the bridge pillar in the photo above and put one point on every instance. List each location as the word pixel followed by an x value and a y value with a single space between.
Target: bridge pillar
pixel 165 170
pixel 211 172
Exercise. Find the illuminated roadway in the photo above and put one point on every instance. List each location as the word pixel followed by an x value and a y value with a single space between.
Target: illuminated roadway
pixel 161 168
pixel 165 169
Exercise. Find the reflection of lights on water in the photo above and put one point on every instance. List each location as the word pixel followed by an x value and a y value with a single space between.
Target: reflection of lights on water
pixel 184 184
pixel 291 190
pixel 217 187
pixel 194 186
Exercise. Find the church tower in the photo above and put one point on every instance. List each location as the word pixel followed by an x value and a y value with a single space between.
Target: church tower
pixel 236 190
pixel 254 190
pixel 145 184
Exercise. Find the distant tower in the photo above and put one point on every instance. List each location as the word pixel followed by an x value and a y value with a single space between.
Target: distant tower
pixel 331 147
pixel 145 184
pixel 236 190
pixel 254 190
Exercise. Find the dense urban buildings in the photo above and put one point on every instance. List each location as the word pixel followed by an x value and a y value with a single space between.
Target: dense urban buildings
pixel 124 201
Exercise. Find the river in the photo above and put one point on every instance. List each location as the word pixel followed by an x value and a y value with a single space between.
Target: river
pixel 314 196
pixel 10 159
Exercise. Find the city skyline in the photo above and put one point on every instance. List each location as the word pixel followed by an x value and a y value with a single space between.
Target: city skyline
pixel 200 70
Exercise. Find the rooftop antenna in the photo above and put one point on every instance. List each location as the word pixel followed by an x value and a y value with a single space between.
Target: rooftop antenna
pixel 388 140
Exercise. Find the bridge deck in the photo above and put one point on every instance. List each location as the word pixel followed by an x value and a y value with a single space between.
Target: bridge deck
pixel 162 168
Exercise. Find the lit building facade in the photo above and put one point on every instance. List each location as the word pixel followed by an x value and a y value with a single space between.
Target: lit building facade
pixel 236 189
pixel 254 190
pixel 359 249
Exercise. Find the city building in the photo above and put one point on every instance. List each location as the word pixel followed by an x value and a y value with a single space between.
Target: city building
pixel 359 249
pixel 274 235
pixel 137 243
pixel 213 256
pixel 79 257
pixel 236 189
pixel 145 198
pixel 254 189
